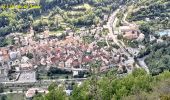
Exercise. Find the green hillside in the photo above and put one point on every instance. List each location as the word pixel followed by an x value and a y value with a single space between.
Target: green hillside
pixel 155 13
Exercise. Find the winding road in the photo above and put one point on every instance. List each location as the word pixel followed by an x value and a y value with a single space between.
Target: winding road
pixel 111 22
pixel 142 63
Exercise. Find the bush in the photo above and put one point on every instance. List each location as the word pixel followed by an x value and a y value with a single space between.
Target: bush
pixel 53 70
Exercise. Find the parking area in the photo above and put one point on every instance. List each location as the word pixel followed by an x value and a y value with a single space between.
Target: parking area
pixel 27 77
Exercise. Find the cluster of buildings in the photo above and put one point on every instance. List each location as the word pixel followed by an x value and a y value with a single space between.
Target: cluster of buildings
pixel 131 32
pixel 71 52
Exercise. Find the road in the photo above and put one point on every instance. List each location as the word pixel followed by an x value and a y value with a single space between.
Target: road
pixel 142 63
pixel 111 26
pixel 111 22
pixel 43 83
pixel 5 93
pixel 46 81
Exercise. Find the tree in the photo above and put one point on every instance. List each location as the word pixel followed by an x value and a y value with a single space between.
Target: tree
pixel 81 92
pixel 3 42
pixel 139 72
pixel 29 55
pixel 11 90
pixel 52 86
pixel 1 88
pixel 3 97
pixel 56 94
pixel 38 97
pixel 145 28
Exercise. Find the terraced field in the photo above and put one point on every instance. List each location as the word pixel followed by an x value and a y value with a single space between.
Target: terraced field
pixel 152 12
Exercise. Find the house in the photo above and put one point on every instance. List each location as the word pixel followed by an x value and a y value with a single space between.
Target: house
pixel 46 33
pixel 61 64
pixel 75 63
pixel 31 2
pixel 68 62
pixel 82 28
pixel 43 61
pixel 79 73
pixel 16 40
pixel 68 92
pixel 75 73
pixel 1 56
pixel 116 58
pixel 31 31
pixel 14 62
pixel 24 59
pixel 6 57
pixel 140 37
pixel 54 59
pixel 105 17
pixel 87 59
pixel 104 68
pixel 24 41
pixel 68 30
pixel 147 19
pixel 152 38
pixel 130 32
pixel 122 69
pixel 159 40
pixel 26 66
pixel 32 92
pixel 13 55
pixel 130 35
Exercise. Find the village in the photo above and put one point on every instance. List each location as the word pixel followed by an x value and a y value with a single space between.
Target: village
pixel 71 51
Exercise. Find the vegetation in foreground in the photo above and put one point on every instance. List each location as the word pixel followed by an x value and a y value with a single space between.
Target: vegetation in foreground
pixel 138 85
